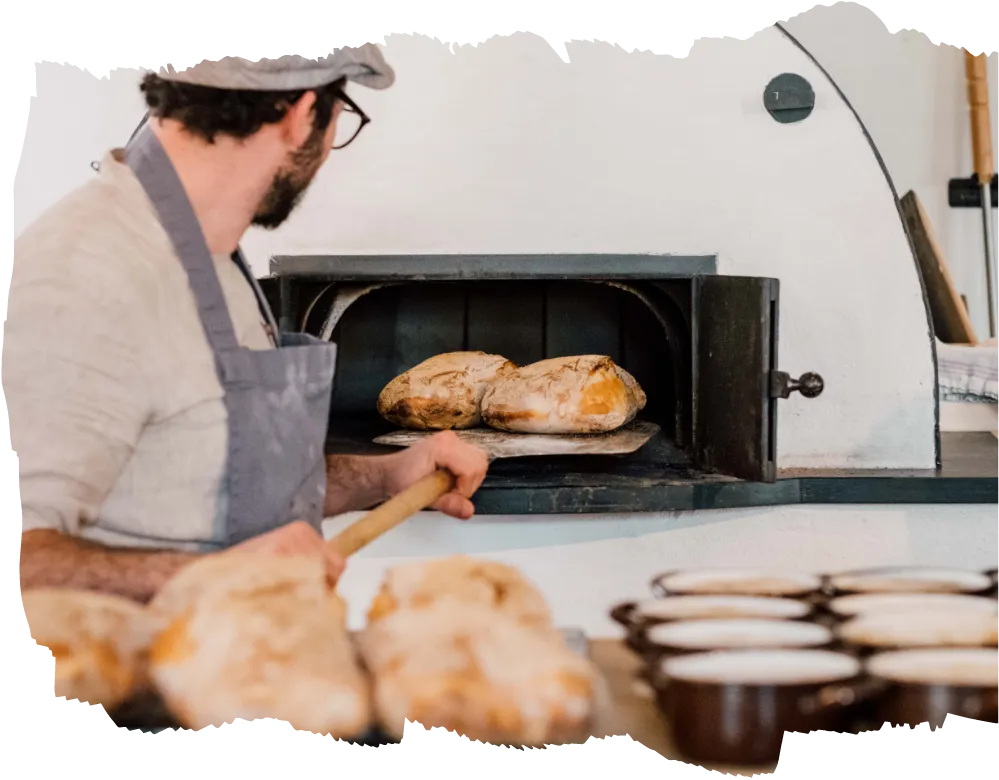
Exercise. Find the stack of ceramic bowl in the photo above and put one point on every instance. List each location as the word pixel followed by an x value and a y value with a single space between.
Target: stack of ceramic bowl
pixel 904 609
pixel 872 622
pixel 710 610
pixel 928 636
pixel 738 657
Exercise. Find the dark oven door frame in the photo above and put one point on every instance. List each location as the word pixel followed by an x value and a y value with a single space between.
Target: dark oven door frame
pixel 734 384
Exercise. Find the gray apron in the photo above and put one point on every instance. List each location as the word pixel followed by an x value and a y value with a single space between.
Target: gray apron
pixel 277 399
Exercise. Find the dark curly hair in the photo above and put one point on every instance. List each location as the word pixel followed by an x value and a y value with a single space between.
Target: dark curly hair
pixel 207 112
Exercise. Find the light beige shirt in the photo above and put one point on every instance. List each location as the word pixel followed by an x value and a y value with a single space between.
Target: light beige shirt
pixel 116 411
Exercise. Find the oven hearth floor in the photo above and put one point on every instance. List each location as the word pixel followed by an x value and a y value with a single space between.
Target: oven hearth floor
pixel 642 483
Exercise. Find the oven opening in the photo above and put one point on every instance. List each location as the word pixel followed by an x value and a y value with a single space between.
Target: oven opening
pixel 643 326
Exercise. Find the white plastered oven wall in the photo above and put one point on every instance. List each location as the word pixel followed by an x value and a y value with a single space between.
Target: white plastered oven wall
pixel 912 97
pixel 504 148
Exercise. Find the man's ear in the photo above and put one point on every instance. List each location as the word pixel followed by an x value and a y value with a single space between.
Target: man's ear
pixel 297 124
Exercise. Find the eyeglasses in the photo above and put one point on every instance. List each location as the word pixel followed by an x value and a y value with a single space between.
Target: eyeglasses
pixel 349 123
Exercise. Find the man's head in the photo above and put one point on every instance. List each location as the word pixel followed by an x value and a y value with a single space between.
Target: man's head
pixel 298 108
pixel 305 120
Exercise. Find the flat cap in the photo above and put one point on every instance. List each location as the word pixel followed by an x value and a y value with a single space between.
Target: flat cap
pixel 363 65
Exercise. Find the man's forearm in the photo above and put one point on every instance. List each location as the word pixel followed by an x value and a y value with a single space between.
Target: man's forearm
pixel 54 560
pixel 354 482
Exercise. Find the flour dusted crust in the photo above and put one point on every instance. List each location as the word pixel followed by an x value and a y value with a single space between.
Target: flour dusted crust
pixel 443 392
pixel 584 394
pixel 98 642
pixel 480 673
pixel 257 636
pixel 485 584
pixel 227 573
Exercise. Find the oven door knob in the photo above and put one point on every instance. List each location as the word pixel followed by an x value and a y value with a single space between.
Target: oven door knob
pixel 810 385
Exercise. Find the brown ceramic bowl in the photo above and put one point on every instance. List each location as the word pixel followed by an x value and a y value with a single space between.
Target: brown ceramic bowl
pixel 638 617
pixel 879 632
pixel 993 575
pixel 916 604
pixel 684 637
pixel 733 707
pixel 908 579
pixel 926 685
pixel 737 582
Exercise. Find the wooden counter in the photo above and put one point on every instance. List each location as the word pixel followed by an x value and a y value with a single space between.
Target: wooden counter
pixel 636 715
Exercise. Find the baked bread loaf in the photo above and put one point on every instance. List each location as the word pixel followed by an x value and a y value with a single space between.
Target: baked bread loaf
pixel 484 584
pixel 98 642
pixel 442 393
pixel 585 394
pixel 480 673
pixel 257 636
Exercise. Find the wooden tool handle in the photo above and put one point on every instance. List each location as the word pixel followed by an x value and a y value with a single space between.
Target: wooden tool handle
pixel 400 507
pixel 975 69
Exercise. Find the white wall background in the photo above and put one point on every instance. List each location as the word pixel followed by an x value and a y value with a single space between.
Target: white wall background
pixel 909 92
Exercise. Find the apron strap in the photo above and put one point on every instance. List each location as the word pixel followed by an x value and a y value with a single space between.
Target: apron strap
pixel 265 309
pixel 152 167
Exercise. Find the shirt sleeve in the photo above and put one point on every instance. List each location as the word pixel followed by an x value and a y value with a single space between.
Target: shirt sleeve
pixel 73 378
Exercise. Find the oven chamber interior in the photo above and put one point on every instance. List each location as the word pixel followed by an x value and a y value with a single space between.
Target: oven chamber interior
pixel 702 346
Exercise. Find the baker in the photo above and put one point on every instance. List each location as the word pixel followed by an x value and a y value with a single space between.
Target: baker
pixel 156 411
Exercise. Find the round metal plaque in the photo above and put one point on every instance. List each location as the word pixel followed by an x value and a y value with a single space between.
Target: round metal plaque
pixel 789 98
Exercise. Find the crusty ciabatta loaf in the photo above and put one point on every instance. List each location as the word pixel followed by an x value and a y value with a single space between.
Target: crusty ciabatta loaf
pixel 478 672
pixel 486 584
pixel 258 636
pixel 98 642
pixel 583 394
pixel 442 393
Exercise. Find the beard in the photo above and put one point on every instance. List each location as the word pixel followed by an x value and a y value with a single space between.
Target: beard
pixel 290 184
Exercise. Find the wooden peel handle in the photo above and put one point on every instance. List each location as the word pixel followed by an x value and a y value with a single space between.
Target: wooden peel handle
pixel 413 499
pixel 976 70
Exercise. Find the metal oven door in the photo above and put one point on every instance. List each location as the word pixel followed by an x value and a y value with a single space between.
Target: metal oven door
pixel 736 384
